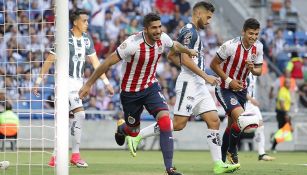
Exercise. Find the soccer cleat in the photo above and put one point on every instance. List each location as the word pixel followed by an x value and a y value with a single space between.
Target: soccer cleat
pixel 133 143
pixel 120 138
pixel 221 167
pixel 172 171
pixel 76 160
pixel 266 157
pixel 51 162
pixel 232 158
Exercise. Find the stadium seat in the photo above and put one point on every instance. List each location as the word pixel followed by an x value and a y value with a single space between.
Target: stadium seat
pixel 301 37
pixel 289 37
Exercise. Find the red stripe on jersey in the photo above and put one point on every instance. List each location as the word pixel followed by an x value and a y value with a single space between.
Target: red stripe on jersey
pixel 245 54
pixel 254 51
pixel 156 63
pixel 236 60
pixel 148 67
pixel 127 73
pixel 138 68
pixel 225 69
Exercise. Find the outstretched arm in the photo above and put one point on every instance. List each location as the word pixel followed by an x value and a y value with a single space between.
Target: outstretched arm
pixel 182 49
pixel 101 69
pixel 95 62
pixel 187 61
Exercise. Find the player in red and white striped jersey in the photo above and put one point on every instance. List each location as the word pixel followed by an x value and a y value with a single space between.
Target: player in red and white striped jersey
pixel 234 60
pixel 139 87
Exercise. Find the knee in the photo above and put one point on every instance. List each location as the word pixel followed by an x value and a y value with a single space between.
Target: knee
pixel 165 123
pixel 214 123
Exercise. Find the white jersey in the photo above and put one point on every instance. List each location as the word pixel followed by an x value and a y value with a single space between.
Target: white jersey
pixel 251 85
pixel 189 37
pixel 140 61
pixel 234 56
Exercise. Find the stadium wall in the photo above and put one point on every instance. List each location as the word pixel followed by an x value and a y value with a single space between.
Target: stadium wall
pixel 100 135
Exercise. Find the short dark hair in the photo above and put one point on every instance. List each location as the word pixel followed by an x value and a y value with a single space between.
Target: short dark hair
pixel 204 4
pixel 150 17
pixel 75 14
pixel 251 23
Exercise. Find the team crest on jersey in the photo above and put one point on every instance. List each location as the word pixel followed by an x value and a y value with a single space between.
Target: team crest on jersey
pixel 253 57
pixel 233 101
pixel 87 42
pixel 160 50
pixel 131 120
pixel 187 38
pixel 123 46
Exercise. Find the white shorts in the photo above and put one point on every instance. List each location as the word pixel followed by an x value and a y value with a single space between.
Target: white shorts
pixel 74 85
pixel 193 98
pixel 252 109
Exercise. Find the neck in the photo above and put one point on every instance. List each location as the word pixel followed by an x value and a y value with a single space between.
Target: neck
pixel 194 21
pixel 77 33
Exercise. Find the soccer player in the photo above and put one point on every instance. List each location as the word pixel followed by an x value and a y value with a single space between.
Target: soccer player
pixel 253 109
pixel 232 63
pixel 192 94
pixel 80 46
pixel 140 54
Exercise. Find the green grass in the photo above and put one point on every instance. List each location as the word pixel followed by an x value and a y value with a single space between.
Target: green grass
pixel 115 162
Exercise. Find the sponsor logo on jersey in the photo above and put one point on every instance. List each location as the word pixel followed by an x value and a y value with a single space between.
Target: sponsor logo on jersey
pixel 160 50
pixel 190 98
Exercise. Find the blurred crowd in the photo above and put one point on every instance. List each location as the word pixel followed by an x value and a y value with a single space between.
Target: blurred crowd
pixel 27 34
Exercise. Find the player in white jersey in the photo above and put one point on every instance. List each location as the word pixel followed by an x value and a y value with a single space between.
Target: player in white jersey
pixel 80 47
pixel 234 60
pixel 252 108
pixel 192 94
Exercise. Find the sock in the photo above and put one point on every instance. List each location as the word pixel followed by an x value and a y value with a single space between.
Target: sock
pixel 225 143
pixel 166 140
pixel 151 130
pixel 274 145
pixel 259 137
pixel 128 130
pixel 76 130
pixel 234 138
pixel 214 142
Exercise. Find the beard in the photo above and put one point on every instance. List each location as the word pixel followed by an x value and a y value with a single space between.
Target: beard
pixel 200 24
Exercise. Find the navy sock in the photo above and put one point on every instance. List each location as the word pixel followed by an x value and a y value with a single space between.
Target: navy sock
pixel 225 144
pixel 234 138
pixel 167 148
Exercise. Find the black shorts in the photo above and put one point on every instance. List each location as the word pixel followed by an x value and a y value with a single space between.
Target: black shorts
pixel 281 118
pixel 134 102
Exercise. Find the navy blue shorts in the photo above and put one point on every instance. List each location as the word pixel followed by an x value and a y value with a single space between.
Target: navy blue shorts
pixel 134 102
pixel 230 99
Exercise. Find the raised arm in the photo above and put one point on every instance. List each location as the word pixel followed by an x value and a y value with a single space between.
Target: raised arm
pixel 95 62
pixel 101 69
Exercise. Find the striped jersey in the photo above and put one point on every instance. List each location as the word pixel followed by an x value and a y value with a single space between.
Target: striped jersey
pixel 190 38
pixel 140 61
pixel 234 55
pixel 79 48
pixel 251 85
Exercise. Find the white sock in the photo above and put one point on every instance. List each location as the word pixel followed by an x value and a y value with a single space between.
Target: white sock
pixel 76 130
pixel 151 130
pixel 259 137
pixel 214 142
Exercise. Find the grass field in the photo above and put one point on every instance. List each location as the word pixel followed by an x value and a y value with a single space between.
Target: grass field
pixel 150 163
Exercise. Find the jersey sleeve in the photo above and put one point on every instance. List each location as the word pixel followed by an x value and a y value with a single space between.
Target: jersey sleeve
pixel 259 58
pixel 224 50
pixel 89 46
pixel 187 37
pixel 127 49
pixel 168 42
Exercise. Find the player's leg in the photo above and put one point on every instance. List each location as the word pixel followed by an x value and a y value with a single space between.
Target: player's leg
pixel 156 105
pixel 207 110
pixel 259 134
pixel 133 107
